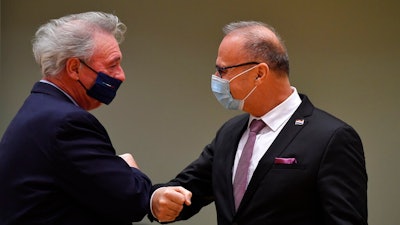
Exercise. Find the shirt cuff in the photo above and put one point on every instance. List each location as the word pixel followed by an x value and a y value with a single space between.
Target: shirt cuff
pixel 151 205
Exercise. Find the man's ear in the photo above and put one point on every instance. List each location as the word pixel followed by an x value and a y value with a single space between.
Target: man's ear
pixel 262 73
pixel 72 66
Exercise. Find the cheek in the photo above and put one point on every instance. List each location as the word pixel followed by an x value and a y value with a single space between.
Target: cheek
pixel 89 81
pixel 239 90
pixel 235 90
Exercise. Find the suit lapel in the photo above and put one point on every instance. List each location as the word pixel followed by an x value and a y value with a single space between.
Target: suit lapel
pixel 288 133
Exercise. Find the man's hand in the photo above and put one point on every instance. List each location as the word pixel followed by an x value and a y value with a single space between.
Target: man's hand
pixel 128 158
pixel 167 202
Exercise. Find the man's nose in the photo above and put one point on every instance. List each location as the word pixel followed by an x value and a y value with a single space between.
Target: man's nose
pixel 121 75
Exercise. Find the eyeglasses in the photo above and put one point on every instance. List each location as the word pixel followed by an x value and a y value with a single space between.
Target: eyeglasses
pixel 222 70
pixel 87 66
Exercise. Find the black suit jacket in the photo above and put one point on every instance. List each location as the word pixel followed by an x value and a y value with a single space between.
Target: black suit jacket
pixel 327 185
pixel 58 166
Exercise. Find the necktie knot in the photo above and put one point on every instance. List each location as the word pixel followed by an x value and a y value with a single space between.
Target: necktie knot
pixel 256 126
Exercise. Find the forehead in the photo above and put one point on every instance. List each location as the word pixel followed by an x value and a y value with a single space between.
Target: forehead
pixel 230 50
pixel 106 47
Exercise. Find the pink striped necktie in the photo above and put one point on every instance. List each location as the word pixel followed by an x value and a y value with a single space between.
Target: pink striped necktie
pixel 242 170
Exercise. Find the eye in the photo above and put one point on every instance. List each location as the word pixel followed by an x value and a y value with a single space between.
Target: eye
pixel 221 70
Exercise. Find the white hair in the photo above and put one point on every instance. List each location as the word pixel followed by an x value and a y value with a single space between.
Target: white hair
pixel 72 36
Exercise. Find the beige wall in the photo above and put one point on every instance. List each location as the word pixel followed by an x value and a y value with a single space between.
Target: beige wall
pixel 344 55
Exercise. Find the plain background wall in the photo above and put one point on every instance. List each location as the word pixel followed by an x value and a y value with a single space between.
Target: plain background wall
pixel 344 56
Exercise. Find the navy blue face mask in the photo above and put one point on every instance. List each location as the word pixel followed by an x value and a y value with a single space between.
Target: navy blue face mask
pixel 104 89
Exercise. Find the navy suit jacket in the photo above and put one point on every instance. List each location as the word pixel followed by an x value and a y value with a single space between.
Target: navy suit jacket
pixel 58 166
pixel 327 185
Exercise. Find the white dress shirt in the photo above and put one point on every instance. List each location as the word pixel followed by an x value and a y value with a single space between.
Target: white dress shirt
pixel 275 120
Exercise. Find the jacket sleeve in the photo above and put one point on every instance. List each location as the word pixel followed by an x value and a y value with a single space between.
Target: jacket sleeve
pixel 342 180
pixel 93 175
pixel 196 177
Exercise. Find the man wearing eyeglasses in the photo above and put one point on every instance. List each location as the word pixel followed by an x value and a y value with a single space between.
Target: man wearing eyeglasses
pixel 305 166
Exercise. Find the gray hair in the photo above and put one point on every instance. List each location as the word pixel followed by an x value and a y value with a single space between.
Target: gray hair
pixel 259 46
pixel 72 36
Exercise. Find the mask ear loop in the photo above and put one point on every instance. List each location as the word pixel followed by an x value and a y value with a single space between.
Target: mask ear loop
pixel 80 60
pixel 250 93
pixel 242 73
pixel 82 85
pixel 88 66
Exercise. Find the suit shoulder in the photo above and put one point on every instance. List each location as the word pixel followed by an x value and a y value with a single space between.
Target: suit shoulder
pixel 51 113
pixel 318 117
pixel 323 122
pixel 326 117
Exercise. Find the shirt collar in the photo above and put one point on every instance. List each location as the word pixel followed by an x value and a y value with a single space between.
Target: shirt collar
pixel 278 116
pixel 52 84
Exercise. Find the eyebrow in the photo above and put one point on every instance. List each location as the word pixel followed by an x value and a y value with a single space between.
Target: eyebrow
pixel 116 59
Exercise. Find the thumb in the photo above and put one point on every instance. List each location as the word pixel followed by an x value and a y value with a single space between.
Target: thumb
pixel 186 194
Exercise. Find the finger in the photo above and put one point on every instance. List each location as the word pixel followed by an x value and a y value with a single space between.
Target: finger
pixel 175 194
pixel 167 217
pixel 167 200
pixel 186 194
pixel 166 214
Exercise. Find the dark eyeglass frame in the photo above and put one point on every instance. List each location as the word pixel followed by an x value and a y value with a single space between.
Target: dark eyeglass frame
pixel 222 70
pixel 88 66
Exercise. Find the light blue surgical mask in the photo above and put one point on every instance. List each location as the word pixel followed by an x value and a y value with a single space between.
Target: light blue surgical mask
pixel 221 89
